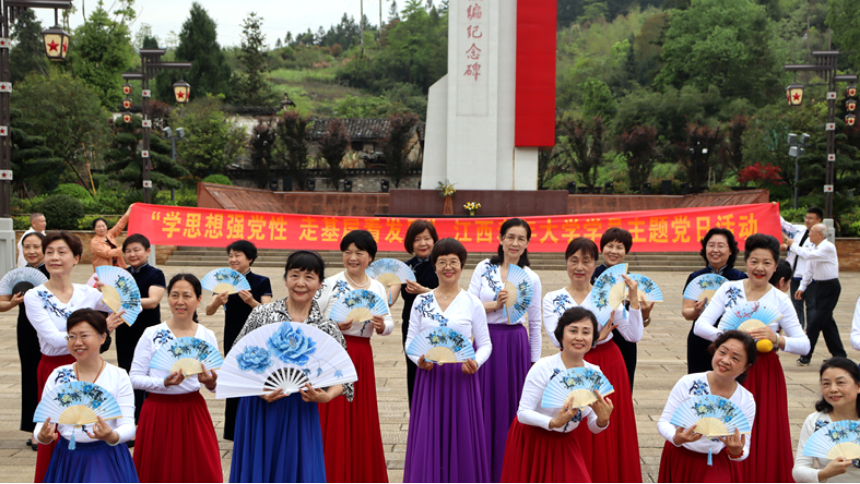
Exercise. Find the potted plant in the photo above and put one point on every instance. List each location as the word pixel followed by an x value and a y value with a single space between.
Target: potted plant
pixel 447 190
pixel 472 207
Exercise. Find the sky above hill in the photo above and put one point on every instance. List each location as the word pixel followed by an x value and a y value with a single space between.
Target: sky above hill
pixel 279 16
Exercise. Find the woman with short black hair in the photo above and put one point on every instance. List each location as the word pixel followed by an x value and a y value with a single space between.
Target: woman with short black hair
pixel 103 246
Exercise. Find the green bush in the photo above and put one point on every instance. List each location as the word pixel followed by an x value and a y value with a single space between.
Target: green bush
pixel 792 215
pixel 62 212
pixel 73 190
pixel 218 179
pixel 184 198
pixel 21 222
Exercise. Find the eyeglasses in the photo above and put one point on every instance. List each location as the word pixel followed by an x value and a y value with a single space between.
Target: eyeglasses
pixel 84 337
pixel 453 264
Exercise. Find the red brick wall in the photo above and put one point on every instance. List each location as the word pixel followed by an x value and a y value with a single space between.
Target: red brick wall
pixel 849 254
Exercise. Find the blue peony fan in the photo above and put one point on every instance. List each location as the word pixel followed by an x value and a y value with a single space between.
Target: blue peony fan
pixel 284 356
pixel 579 383
pixel 837 439
pixel 224 280
pixel 21 279
pixel 77 403
pixel 390 272
pixel 520 293
pixel 187 355
pixel 648 289
pixel 606 289
pixel 359 305
pixel 441 345
pixel 713 416
pixel 703 286
pixel 120 292
pixel 748 316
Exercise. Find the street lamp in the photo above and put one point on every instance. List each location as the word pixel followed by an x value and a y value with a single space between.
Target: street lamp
pixel 173 137
pixel 794 93
pixel 850 120
pixel 127 89
pixel 696 153
pixel 797 150
pixel 181 90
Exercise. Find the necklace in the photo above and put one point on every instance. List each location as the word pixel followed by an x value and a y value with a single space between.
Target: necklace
pixel 97 374
pixel 449 295
pixel 354 284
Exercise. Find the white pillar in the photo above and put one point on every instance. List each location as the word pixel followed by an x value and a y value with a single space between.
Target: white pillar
pixel 8 246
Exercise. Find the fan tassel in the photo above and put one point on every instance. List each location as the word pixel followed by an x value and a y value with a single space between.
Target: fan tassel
pixel 710 456
pixel 72 441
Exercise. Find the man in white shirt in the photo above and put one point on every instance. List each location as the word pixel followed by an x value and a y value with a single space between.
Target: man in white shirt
pixel 37 224
pixel 800 234
pixel 822 267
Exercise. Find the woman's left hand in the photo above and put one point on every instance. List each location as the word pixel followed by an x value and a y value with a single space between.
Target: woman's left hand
pixel 735 443
pixel 114 320
pixel 207 378
pixel 632 291
pixel 345 325
pixel 602 408
pixel 609 328
pixel 646 308
pixel 470 367
pixel 310 394
pixel 378 324
pixel 98 285
pixel 412 287
pixel 246 296
pixel 765 333
pixel 102 431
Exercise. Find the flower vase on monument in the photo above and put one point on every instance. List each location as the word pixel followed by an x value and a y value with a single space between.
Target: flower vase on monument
pixel 446 190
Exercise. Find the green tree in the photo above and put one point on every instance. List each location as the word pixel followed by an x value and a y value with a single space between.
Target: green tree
pixel 211 141
pixel 262 146
pixel 597 99
pixel 668 111
pixel 37 170
pixel 253 56
pixel 640 146
pixel 396 145
pixel 843 16
pixel 580 149
pixel 125 165
pixel 292 145
pixel 28 55
pixel 333 145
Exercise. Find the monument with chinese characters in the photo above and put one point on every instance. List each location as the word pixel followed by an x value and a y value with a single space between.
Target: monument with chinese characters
pixel 488 117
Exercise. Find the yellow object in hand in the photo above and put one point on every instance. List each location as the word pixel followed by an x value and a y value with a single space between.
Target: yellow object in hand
pixel 764 345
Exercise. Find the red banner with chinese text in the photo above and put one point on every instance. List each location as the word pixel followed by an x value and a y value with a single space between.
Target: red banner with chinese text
pixel 675 230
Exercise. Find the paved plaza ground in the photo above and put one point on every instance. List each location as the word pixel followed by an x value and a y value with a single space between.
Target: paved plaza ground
pixel 662 360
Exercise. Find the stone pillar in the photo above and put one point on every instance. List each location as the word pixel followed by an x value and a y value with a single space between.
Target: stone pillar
pixel 8 246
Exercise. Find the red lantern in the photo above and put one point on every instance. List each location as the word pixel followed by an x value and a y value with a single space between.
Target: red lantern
pixel 794 93
pixel 851 105
pixel 126 89
pixel 850 120
pixel 126 117
pixel 126 103
pixel 852 91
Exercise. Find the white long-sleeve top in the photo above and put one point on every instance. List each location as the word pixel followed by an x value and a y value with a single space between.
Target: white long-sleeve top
pixel 693 385
pixel 336 288
pixel 485 285
pixel 145 378
pixel 804 467
pixel 822 262
pixel 795 233
pixel 48 314
pixel 555 303
pixel 115 381
pixel 530 411
pixel 855 327
pixel 731 295
pixel 465 314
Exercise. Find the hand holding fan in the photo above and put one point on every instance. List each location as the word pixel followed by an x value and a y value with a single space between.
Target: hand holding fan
pixel 120 292
pixel 77 403
pixel 390 272
pixel 441 345
pixel 703 287
pixel 188 356
pixel 837 439
pixel 520 292
pixel 608 282
pixel 713 416
pixel 648 289
pixel 283 356
pixel 21 280
pixel 224 280
pixel 359 305
pixel 749 316
pixel 579 383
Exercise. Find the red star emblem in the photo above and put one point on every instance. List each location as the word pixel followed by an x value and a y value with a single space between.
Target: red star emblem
pixel 181 95
pixel 4 176
pixel 2 131
pixel 3 43
pixel 65 47
pixel 53 45
pixel 796 96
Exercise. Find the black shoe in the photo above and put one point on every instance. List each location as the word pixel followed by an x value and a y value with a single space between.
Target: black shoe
pixel 803 361
pixel 32 445
pixel 130 444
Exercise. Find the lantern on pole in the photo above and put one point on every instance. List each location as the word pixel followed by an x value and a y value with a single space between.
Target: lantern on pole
pixel 852 91
pixel 851 105
pixel 126 117
pixel 56 43
pixel 126 89
pixel 126 103
pixel 850 120
pixel 794 93
pixel 182 90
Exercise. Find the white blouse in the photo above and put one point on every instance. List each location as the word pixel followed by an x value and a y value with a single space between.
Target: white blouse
pixel 465 314
pixel 485 285
pixel 48 314
pixel 805 469
pixel 693 385
pixel 113 379
pixel 732 294
pixel 145 378
pixel 530 411
pixel 855 327
pixel 557 302
pixel 336 288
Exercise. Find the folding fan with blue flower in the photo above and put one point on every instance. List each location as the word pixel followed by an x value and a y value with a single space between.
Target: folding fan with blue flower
pixel 520 293
pixel 77 403
pixel 360 306
pixel 748 316
pixel 21 279
pixel 579 383
pixel 712 415
pixel 601 294
pixel 120 292
pixel 224 280
pixel 187 355
pixel 441 345
pixel 703 287
pixel 837 439
pixel 390 272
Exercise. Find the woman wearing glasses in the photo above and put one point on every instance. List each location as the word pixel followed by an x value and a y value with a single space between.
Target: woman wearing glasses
pixel 504 376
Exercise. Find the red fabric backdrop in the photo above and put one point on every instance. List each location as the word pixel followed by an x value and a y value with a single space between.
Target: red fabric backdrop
pixel 536 44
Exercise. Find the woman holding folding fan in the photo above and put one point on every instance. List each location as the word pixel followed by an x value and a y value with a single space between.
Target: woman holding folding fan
pixel 689 456
pixel 446 441
pixel 49 306
pixel 540 439
pixel 175 426
pixel 29 352
pixel 278 437
pixel 351 433
pixel 840 388
pixel 719 250
pixel 613 455
pixel 516 349
pixel 771 459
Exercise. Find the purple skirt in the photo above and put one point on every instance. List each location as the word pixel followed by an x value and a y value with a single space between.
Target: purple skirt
pixel 446 429
pixel 502 379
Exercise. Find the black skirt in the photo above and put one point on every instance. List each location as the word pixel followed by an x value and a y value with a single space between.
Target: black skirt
pixel 30 353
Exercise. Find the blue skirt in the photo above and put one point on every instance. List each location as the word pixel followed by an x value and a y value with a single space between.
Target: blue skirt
pixel 90 462
pixel 277 442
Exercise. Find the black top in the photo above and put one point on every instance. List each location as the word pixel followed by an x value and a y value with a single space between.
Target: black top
pixel 236 310
pixel 146 277
pixel 597 271
pixel 729 273
pixel 425 274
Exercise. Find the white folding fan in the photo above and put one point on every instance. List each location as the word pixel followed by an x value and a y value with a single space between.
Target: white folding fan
pixel 703 286
pixel 224 280
pixel 441 345
pixel 359 305
pixel 608 282
pixel 120 292
pixel 520 293
pixel 837 439
pixel 187 355
pixel 749 316
pixel 21 279
pixel 648 289
pixel 579 383
pixel 77 403
pixel 284 356
pixel 390 272
pixel 712 415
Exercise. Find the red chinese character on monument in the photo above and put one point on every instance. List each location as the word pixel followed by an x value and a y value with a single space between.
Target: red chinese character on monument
pixel 473 53
pixel 472 32
pixel 473 70
pixel 474 12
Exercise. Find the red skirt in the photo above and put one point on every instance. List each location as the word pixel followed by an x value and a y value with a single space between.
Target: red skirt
pixel 536 455
pixel 612 455
pixel 771 458
pixel 351 436
pixel 678 464
pixel 46 366
pixel 176 440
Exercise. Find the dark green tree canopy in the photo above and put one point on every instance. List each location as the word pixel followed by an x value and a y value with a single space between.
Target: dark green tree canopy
pixel 28 55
